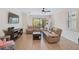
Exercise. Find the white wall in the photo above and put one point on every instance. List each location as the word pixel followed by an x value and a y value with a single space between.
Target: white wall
pixel 24 21
pixel 29 20
pixel 4 18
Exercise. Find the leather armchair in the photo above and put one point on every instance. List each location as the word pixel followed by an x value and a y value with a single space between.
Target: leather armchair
pixel 29 30
pixel 54 36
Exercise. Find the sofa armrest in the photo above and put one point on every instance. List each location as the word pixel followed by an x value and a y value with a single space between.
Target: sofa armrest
pixel 7 37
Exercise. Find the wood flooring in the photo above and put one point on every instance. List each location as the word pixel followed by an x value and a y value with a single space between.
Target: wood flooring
pixel 26 42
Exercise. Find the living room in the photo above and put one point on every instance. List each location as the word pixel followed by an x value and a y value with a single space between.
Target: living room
pixel 54 17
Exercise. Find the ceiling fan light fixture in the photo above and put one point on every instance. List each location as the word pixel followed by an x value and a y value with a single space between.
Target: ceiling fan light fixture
pixel 43 10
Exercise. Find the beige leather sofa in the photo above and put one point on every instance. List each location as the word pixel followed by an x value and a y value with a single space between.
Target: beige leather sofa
pixel 53 36
pixel 31 29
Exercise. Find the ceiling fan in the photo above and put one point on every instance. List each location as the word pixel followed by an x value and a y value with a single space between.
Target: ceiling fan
pixel 45 10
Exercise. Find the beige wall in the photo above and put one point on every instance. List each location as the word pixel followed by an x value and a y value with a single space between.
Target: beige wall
pixel 77 20
pixel 27 21
pixel 61 19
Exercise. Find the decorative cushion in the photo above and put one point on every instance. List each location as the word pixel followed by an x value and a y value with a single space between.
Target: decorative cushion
pixel 1 34
pixel 7 45
pixel 2 43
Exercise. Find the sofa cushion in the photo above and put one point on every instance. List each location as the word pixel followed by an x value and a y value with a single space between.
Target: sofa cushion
pixel 54 34
pixel 48 34
pixel 57 31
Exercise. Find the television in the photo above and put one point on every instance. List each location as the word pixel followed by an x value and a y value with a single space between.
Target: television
pixel 13 18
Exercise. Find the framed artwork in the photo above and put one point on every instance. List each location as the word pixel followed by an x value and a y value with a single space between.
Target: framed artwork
pixel 13 18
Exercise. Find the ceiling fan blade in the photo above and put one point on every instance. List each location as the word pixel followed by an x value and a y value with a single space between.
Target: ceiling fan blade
pixel 43 10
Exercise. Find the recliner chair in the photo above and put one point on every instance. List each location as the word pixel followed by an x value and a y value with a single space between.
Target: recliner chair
pixel 53 36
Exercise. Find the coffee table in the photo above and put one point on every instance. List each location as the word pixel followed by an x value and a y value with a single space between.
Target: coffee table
pixel 36 35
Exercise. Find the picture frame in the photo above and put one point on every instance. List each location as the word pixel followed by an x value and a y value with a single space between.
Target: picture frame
pixel 13 18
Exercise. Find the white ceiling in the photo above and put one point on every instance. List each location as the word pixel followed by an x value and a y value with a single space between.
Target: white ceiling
pixel 37 11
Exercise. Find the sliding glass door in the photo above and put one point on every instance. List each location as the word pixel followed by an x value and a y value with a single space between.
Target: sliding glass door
pixel 38 22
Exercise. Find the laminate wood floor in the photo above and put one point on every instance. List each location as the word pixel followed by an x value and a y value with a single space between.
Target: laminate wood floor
pixel 26 42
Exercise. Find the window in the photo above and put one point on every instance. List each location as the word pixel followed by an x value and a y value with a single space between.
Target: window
pixel 38 22
pixel 72 19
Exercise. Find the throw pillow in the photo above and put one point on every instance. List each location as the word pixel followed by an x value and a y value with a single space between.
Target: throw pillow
pixel 1 34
